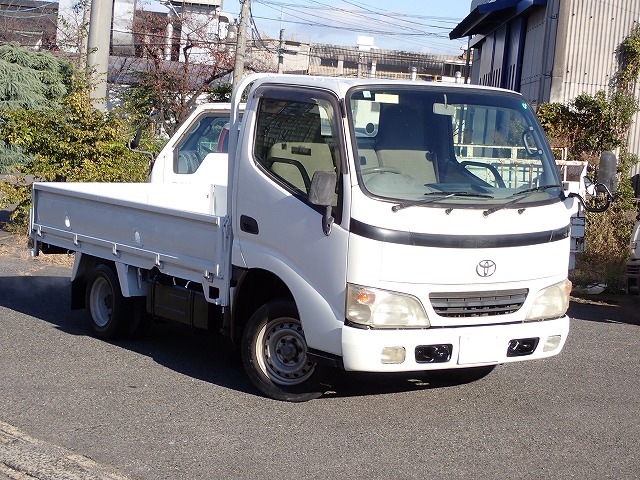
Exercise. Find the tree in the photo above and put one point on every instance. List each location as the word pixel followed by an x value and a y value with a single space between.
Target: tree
pixel 73 30
pixel 171 77
pixel 30 80
pixel 183 59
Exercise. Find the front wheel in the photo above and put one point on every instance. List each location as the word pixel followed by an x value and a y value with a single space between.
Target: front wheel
pixel 274 354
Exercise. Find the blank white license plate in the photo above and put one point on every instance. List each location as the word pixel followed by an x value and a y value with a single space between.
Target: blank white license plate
pixel 479 349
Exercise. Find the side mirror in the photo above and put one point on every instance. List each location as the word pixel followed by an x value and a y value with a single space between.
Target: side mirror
pixel 607 172
pixel 322 192
pixel 606 183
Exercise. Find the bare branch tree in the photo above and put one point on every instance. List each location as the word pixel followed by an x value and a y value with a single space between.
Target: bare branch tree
pixel 181 60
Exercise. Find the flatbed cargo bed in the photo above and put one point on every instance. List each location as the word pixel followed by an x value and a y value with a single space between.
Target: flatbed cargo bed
pixel 171 227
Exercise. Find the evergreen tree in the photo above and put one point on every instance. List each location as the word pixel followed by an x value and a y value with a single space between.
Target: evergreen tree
pixel 29 80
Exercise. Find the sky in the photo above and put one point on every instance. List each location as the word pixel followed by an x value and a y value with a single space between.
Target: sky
pixel 410 25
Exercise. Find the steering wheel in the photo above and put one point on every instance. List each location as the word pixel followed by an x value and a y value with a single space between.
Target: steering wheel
pixel 371 170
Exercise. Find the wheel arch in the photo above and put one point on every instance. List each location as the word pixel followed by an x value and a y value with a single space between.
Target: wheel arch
pixel 83 267
pixel 254 288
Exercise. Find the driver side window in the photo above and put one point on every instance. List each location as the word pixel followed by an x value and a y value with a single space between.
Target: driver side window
pixel 295 139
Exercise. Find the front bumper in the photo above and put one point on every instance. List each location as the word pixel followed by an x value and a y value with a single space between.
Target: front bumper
pixel 362 350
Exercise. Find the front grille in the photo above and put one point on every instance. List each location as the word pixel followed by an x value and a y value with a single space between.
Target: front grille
pixel 633 268
pixel 478 304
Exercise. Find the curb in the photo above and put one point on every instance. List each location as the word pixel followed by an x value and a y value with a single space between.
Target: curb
pixel 25 458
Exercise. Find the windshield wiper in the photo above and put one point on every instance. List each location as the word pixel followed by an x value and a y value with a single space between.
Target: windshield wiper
pixel 522 194
pixel 440 196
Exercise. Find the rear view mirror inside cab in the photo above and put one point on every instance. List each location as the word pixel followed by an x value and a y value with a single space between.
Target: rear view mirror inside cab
pixel 444 109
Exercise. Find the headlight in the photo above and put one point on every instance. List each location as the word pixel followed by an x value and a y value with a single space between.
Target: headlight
pixel 381 308
pixel 551 302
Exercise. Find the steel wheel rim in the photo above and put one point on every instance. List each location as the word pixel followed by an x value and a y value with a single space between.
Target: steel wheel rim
pixel 101 302
pixel 282 352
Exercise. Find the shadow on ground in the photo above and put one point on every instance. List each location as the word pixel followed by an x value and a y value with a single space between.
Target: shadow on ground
pixel 608 308
pixel 200 355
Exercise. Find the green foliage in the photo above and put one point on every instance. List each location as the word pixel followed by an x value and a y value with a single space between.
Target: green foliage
pixel 630 60
pixel 139 102
pixel 608 234
pixel 220 93
pixel 140 110
pixel 68 142
pixel 28 80
pixel 588 126
pixel 158 93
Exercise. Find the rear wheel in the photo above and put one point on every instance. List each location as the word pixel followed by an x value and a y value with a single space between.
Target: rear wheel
pixel 110 314
pixel 274 354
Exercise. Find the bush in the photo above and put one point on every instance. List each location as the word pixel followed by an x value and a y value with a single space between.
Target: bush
pixel 588 126
pixel 68 142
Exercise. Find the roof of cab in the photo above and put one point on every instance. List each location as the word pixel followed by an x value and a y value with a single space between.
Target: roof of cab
pixel 340 85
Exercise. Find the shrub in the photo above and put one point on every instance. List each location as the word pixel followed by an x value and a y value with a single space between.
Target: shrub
pixel 68 142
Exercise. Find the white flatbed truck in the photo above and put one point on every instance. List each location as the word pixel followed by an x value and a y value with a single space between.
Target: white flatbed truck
pixel 377 226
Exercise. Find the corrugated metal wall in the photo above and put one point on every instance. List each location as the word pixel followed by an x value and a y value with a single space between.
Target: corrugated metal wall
pixel 594 31
pixel 570 47
pixel 531 77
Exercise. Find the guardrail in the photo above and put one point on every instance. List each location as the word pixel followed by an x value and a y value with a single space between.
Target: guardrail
pixel 515 166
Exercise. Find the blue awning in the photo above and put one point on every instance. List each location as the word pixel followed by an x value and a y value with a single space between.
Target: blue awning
pixel 487 17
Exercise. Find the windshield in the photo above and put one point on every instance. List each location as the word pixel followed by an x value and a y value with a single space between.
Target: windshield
pixel 429 146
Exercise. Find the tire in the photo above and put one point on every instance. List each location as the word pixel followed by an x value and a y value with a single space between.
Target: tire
pixel 274 354
pixel 111 315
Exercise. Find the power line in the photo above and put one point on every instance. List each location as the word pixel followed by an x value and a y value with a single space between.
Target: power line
pixel 443 37
pixel 254 28
pixel 28 9
pixel 365 21
pixel 310 23
pixel 21 17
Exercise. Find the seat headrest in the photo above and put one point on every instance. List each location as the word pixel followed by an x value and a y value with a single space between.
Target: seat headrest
pixel 400 127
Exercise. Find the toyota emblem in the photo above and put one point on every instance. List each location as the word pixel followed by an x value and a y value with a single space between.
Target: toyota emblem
pixel 486 268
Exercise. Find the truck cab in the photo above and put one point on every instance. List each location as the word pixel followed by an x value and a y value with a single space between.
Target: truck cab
pixel 440 192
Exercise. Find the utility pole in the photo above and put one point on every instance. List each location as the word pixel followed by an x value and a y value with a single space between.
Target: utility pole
pixel 241 44
pixel 98 50
pixel 467 66
pixel 281 52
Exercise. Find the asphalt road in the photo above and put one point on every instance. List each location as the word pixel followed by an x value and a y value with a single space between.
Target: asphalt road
pixel 178 405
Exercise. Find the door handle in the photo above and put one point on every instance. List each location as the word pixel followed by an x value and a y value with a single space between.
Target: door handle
pixel 249 224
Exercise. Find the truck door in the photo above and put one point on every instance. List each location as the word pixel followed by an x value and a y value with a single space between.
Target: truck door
pixel 296 133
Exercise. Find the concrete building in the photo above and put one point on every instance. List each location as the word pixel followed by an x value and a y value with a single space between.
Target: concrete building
pixel 186 19
pixel 122 40
pixel 195 22
pixel 549 50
